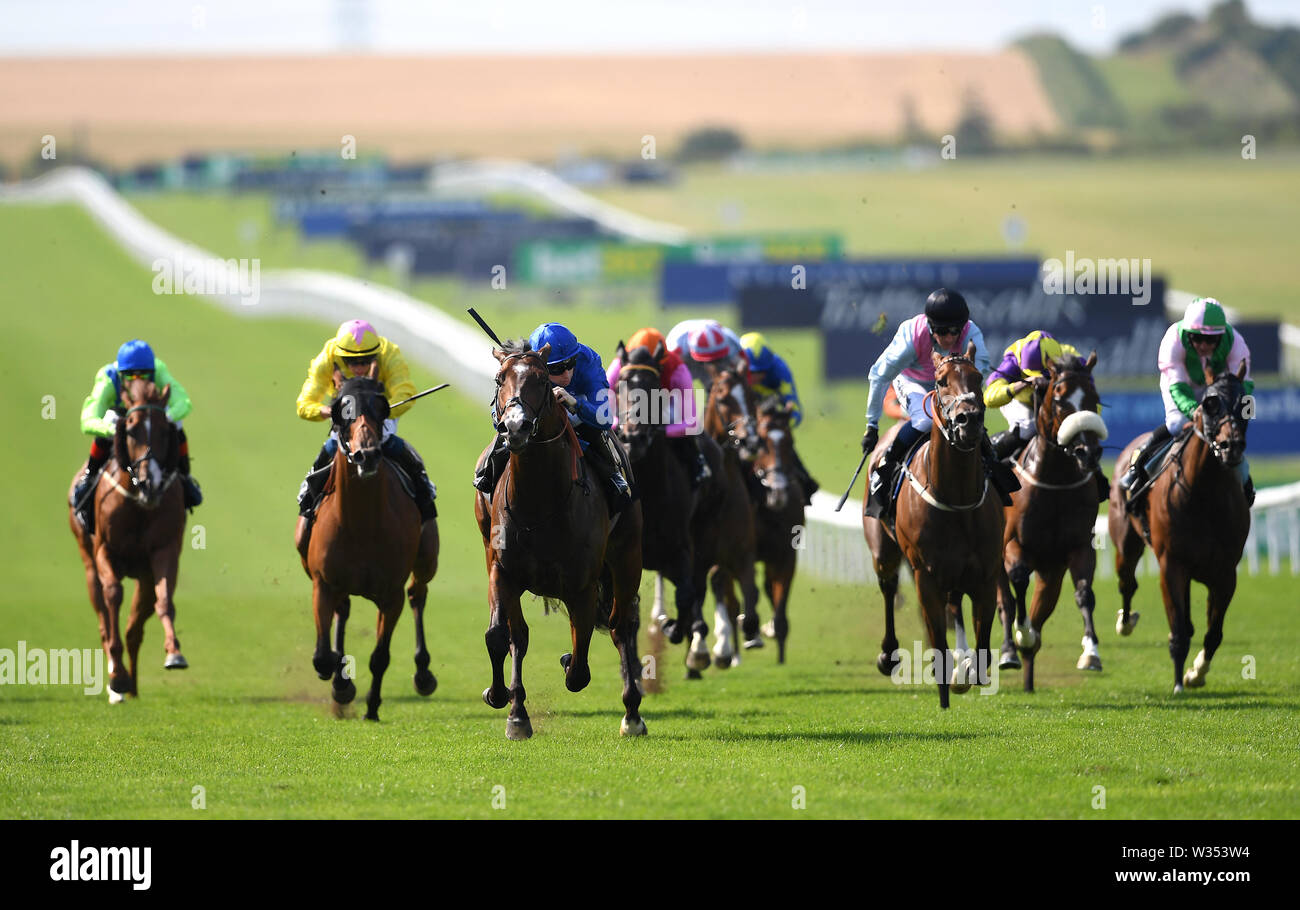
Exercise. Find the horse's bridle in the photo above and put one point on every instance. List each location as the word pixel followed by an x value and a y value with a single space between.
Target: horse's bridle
pixel 1226 413
pixel 130 467
pixel 945 408
pixel 534 420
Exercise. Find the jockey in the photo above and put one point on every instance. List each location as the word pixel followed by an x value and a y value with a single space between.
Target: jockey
pixel 1010 388
pixel 1202 339
pixel 944 328
pixel 673 376
pixel 701 341
pixel 579 384
pixel 769 375
pixel 98 419
pixel 351 352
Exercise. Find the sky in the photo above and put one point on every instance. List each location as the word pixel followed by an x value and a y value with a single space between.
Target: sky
pixel 103 27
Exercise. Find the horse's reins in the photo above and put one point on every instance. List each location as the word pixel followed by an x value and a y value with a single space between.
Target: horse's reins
pixel 945 409
pixel 1050 439
pixel 566 428
pixel 129 467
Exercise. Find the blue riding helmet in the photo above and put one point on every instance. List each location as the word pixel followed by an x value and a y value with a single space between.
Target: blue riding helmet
pixel 563 343
pixel 135 356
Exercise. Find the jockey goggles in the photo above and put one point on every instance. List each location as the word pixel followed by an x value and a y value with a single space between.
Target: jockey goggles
pixel 136 374
pixel 945 329
pixel 557 369
pixel 1199 338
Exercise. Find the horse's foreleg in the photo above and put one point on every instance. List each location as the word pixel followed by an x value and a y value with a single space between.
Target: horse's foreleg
pixel 724 607
pixel 1018 573
pixel 389 613
pixel 963 663
pixel 625 619
pixel 1083 563
pixel 425 681
pixel 779 581
pixel 344 685
pixel 1128 553
pixel 887 579
pixel 518 726
pixel 164 565
pixel 1217 607
pixel 119 682
pixel 582 620
pixel 983 607
pixel 141 607
pixel 497 637
pixel 1047 590
pixel 1008 659
pixel 682 574
pixel 1175 585
pixel 741 612
pixel 934 610
pixel 324 600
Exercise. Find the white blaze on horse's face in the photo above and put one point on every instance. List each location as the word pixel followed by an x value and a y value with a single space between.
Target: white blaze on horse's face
pixel 1075 398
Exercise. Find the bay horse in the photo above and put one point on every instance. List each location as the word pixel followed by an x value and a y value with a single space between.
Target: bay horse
pixel 948 527
pixel 547 529
pixel 668 504
pixel 778 516
pixel 1196 520
pixel 139 529
pixel 729 541
pixel 1049 524
pixel 367 541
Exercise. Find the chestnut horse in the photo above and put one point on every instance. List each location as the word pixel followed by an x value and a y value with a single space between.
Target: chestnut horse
pixel 948 526
pixel 139 527
pixel 547 529
pixel 1051 518
pixel 729 540
pixel 367 540
pixel 778 513
pixel 1196 520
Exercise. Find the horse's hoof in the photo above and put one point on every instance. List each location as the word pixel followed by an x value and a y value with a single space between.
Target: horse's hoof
pixel 372 715
pixel 673 629
pixel 1126 628
pixel 752 643
pixel 115 698
pixel 565 660
pixel 487 699
pixel 175 662
pixel 1178 688
pixel 635 729
pixel 425 682
pixel 885 664
pixel 517 729
pixel 693 674
pixel 1089 662
pixel 722 662
pixel 345 693
pixel 1009 660
pixel 697 661
pixel 769 629
pixel 1026 637
pixel 1195 677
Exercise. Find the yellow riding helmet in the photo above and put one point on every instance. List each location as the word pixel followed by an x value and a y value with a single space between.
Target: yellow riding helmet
pixel 357 338
pixel 756 349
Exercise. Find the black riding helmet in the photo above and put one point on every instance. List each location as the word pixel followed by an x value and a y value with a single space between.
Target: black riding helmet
pixel 945 307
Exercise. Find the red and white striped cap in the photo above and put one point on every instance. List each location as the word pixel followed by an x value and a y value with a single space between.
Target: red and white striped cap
pixel 707 343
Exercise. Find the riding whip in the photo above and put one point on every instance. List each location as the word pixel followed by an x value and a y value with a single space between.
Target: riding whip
pixel 483 325
pixel 420 394
pixel 865 455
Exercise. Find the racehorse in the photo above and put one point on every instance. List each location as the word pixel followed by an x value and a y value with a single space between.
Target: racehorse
pixel 138 533
pixel 729 543
pixel 1049 524
pixel 1196 520
pixel 947 526
pixel 547 529
pixel 778 513
pixel 367 541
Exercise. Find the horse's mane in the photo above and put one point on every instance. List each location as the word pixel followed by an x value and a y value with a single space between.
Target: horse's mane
pixel 512 347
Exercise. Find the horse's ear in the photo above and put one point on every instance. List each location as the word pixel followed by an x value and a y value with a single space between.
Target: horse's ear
pixel 499 355
pixel 659 351
pixel 373 372
pixel 1049 364
pixel 124 396
pixel 166 394
pixel 970 350
pixel 935 359
pixel 545 352
pixel 742 365
pixel 1242 370
pixel 1091 361
pixel 1209 375
pixel 338 379
pixel 621 352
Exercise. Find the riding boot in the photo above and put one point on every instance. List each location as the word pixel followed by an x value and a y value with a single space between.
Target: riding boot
pixel 314 482
pixel 1005 443
pixel 83 498
pixel 1002 478
pixel 485 478
pixel 1103 485
pixel 1249 490
pixel 883 478
pixel 603 462
pixel 193 495
pixel 806 482
pixel 1135 478
pixel 410 461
